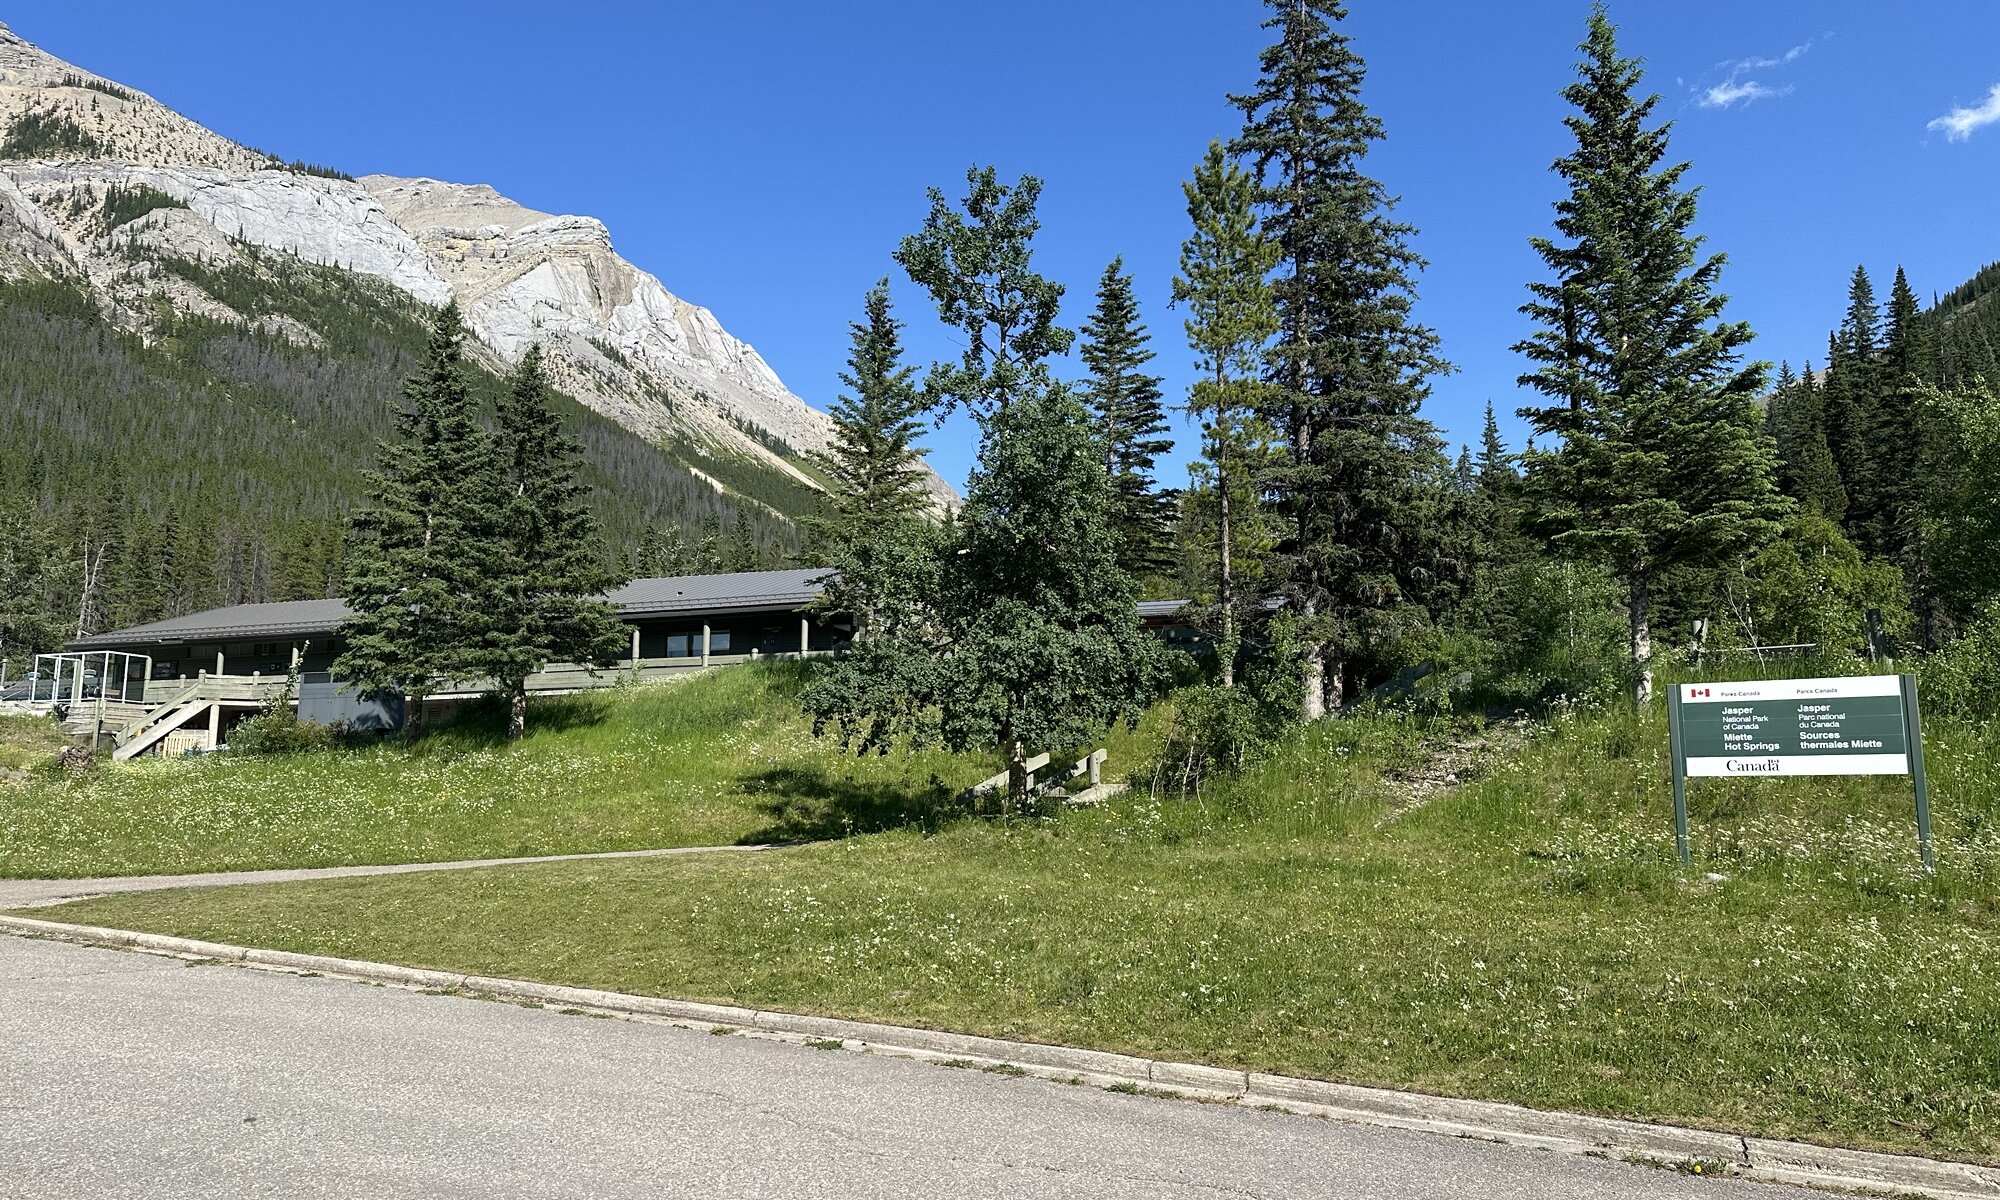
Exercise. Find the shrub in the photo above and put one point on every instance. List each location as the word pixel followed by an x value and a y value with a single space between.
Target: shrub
pixel 1964 678
pixel 278 730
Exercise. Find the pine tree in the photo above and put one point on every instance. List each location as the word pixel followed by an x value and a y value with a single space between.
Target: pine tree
pixel 1797 427
pixel 1497 470
pixel 425 555
pixel 1232 315
pixel 551 583
pixel 1908 353
pixel 1350 367
pixel 1659 462
pixel 1131 423
pixel 1852 410
pixel 877 537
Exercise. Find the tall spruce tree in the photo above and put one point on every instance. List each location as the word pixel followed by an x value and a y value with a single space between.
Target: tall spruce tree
pixel 424 559
pixel 1132 423
pixel 1659 461
pixel 1852 408
pixel 1225 283
pixel 551 584
pixel 1350 367
pixel 1497 468
pixel 1904 429
pixel 1797 426
pixel 877 537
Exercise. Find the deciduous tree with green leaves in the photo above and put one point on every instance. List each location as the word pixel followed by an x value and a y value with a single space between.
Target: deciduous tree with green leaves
pixel 1659 460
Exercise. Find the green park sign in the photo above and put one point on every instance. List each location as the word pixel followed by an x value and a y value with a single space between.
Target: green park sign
pixel 1770 729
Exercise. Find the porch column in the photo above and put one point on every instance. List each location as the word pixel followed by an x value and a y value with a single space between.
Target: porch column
pixel 214 725
pixel 635 647
pixel 218 660
pixel 805 636
pixel 704 643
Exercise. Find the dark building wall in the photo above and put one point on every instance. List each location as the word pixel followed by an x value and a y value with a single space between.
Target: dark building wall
pixel 269 656
pixel 766 633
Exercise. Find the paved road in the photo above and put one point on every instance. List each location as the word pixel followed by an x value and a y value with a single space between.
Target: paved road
pixel 129 1075
pixel 37 893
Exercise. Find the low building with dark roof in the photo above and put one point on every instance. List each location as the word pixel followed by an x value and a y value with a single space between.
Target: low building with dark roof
pixel 226 662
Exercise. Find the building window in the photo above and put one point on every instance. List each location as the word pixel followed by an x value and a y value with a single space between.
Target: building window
pixel 718 641
pixel 677 645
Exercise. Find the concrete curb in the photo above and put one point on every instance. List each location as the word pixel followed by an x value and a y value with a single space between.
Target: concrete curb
pixel 1750 1157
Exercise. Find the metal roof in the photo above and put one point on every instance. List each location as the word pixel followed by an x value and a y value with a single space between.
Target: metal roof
pixel 738 592
pixel 235 623
pixel 743 591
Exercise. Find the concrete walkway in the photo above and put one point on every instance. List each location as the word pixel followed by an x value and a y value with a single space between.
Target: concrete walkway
pixel 38 893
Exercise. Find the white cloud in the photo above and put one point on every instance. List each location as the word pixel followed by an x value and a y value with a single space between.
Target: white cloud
pixel 1732 91
pixel 1764 64
pixel 1959 124
pixel 1735 89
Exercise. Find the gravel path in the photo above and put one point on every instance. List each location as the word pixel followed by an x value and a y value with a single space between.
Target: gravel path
pixel 38 893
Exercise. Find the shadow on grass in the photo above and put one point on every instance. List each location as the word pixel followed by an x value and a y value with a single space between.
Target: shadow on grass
pixel 807 803
pixel 482 723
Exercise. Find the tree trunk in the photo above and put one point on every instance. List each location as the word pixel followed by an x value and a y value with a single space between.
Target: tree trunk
pixel 1642 640
pixel 1017 776
pixel 517 710
pixel 1336 685
pixel 1228 591
pixel 1314 658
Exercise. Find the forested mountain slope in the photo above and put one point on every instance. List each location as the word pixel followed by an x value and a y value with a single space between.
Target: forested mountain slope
pixel 200 346
pixel 213 461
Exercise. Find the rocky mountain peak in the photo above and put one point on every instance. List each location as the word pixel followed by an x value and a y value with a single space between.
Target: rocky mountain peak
pixel 76 148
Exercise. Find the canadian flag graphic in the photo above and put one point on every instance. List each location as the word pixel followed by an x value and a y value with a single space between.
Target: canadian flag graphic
pixel 1696 693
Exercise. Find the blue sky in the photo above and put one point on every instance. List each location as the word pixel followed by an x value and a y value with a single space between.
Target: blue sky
pixel 763 159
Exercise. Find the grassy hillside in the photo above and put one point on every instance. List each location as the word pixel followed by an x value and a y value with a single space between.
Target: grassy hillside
pixel 1529 936
pixel 718 758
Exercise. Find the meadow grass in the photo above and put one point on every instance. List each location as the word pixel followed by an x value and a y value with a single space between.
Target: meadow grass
pixel 719 758
pixel 1528 937
pixel 27 744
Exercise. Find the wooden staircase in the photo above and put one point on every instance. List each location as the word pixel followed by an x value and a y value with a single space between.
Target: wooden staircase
pixel 136 737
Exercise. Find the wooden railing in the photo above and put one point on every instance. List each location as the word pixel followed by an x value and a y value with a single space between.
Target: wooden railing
pixel 1091 764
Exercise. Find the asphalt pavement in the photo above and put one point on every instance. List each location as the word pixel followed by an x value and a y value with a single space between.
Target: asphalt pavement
pixel 137 1076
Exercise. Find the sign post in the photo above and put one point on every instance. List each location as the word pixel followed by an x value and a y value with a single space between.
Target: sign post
pixel 1860 725
pixel 1679 757
pixel 1913 720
